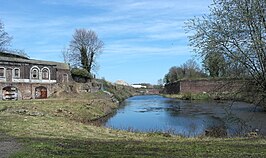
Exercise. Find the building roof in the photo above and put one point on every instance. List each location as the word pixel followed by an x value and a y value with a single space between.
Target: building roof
pixel 5 54
pixel 20 59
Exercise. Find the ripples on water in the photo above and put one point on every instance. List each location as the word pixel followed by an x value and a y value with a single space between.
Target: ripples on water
pixel 188 118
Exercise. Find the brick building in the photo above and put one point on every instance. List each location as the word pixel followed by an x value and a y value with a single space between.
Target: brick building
pixel 24 78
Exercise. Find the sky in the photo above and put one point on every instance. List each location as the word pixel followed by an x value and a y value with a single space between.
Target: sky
pixel 142 38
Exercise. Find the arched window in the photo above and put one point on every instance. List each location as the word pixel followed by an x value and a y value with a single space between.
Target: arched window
pixel 2 72
pixel 45 73
pixel 16 73
pixel 10 93
pixel 34 72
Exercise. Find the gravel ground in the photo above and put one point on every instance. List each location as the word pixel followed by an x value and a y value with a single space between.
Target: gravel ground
pixel 8 145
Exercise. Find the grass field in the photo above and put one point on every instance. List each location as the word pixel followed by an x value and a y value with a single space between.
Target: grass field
pixel 60 128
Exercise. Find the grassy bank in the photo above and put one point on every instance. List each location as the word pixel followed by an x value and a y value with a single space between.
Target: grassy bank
pixel 208 96
pixel 56 128
pixel 120 92
pixel 189 96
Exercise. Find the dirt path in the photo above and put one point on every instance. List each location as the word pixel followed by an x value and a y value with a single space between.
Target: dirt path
pixel 8 145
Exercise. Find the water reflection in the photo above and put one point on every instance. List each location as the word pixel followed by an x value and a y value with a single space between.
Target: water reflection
pixel 188 118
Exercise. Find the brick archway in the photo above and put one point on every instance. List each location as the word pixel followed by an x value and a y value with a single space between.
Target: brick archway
pixel 40 92
pixel 10 93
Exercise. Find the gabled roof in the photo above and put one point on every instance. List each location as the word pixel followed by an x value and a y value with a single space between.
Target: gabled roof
pixel 20 59
pixel 5 54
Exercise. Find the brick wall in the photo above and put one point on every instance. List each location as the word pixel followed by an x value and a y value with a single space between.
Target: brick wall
pixel 172 88
pixel 204 85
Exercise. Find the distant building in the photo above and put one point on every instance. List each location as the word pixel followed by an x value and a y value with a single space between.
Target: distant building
pixel 138 86
pixel 24 78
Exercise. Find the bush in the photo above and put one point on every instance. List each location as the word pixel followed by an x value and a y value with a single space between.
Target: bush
pixel 81 73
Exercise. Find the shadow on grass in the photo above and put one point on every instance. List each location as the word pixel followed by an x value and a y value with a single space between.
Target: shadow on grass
pixel 127 148
pixel 8 145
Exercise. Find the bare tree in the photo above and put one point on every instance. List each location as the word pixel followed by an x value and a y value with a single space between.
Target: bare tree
pixel 84 48
pixel 238 30
pixel 65 52
pixel 4 37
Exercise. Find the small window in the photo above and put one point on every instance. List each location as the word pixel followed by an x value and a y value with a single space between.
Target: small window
pixel 35 74
pixel 16 73
pixel 2 72
pixel 65 77
pixel 45 74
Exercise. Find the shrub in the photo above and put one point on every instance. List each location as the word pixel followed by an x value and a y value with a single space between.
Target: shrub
pixel 81 73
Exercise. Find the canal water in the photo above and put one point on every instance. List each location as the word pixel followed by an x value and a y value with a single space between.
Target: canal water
pixel 153 113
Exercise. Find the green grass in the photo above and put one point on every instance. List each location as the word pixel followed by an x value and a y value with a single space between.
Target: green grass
pixel 60 130
pixel 189 96
pixel 143 148
pixel 81 107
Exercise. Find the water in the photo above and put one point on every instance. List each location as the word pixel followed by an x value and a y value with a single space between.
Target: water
pixel 154 113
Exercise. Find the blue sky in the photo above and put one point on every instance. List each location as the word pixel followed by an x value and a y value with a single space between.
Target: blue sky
pixel 143 38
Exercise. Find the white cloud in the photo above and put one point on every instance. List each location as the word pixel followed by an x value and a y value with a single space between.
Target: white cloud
pixel 131 29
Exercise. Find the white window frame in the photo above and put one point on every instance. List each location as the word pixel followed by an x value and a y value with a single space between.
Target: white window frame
pixel 14 70
pixel 49 73
pixel 38 71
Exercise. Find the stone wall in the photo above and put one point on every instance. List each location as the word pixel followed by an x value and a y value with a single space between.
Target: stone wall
pixel 26 90
pixel 29 90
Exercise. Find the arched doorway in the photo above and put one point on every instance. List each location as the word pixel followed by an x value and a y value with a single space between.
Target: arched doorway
pixel 40 92
pixel 10 93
